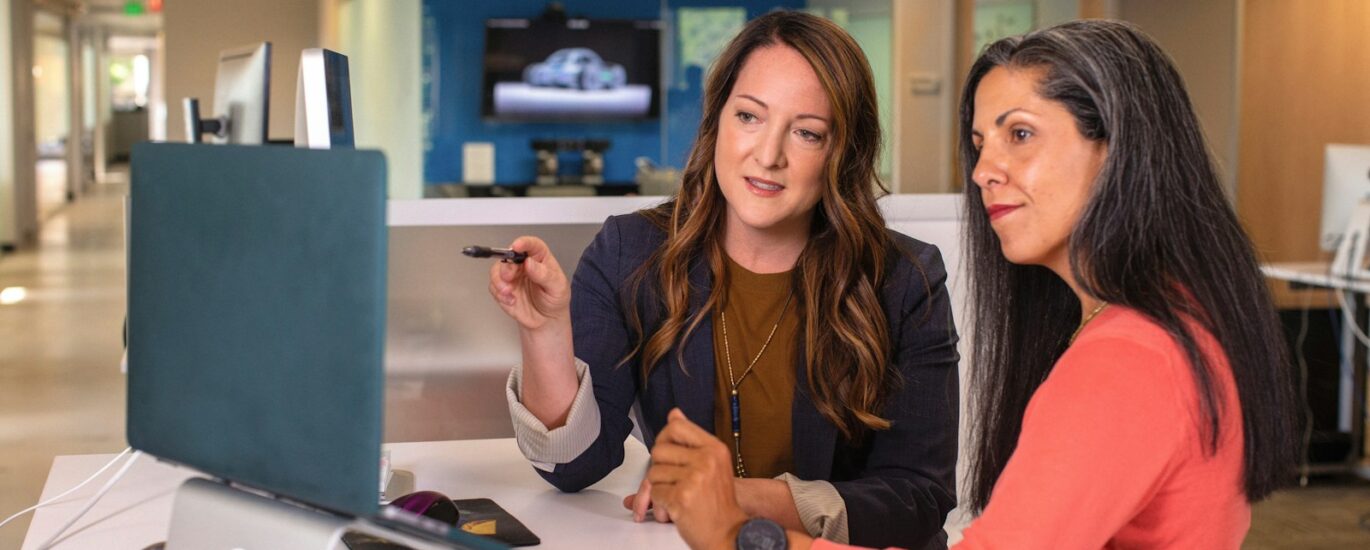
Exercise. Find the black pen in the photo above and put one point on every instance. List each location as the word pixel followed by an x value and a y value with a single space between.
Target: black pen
pixel 505 254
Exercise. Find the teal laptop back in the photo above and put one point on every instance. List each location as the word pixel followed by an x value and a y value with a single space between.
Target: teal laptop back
pixel 256 304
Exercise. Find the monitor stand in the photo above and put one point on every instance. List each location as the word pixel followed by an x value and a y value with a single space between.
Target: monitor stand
pixel 208 514
pixel 196 127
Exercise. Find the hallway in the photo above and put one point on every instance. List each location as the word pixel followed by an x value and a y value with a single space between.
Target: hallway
pixel 61 391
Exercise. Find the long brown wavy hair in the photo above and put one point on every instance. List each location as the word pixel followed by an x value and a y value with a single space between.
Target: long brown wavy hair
pixel 838 276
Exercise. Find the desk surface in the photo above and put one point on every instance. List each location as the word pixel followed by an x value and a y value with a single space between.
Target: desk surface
pixel 1314 274
pixel 137 511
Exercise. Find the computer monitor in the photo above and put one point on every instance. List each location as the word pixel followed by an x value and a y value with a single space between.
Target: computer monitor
pixel 1345 183
pixel 241 96
pixel 256 317
pixel 323 101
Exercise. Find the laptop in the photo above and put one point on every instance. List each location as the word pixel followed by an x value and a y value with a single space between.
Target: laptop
pixel 256 318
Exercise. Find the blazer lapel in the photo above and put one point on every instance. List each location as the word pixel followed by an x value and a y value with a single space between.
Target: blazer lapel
pixel 815 438
pixel 694 391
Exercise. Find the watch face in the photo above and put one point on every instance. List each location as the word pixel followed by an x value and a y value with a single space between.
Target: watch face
pixel 762 534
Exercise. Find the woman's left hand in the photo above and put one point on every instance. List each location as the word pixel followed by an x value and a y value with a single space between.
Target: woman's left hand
pixel 692 476
pixel 640 504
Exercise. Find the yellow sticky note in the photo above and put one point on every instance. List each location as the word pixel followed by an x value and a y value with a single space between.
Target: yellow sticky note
pixel 479 527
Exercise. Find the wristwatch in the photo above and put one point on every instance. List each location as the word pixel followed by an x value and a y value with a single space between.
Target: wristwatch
pixel 762 534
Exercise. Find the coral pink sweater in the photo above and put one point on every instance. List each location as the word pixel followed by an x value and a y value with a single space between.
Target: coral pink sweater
pixel 1112 452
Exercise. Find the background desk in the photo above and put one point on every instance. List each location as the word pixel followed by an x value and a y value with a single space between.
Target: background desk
pixel 1351 404
pixel 137 511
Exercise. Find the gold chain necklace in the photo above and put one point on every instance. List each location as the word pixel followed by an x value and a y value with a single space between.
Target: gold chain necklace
pixel 733 400
pixel 1088 318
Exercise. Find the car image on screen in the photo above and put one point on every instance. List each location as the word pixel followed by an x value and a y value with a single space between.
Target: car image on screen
pixel 579 68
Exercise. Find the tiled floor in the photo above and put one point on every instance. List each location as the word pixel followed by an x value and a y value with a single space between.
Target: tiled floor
pixel 61 391
pixel 1327 515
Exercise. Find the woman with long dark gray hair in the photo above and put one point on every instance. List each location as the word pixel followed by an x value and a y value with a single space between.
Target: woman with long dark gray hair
pixel 1130 382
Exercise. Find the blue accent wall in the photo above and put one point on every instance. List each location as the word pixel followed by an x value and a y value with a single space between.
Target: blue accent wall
pixel 454 43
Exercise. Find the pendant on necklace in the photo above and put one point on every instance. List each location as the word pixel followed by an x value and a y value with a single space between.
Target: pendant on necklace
pixel 737 433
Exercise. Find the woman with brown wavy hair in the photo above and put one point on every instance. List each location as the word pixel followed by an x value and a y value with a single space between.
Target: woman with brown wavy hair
pixel 767 300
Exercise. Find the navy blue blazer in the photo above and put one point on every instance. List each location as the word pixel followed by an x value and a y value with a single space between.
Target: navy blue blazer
pixel 898 484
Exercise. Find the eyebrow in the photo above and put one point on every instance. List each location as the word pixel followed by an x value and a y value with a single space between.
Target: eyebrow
pixel 764 106
pixel 999 121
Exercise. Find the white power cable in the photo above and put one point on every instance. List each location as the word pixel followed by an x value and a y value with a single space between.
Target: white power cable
pixel 68 491
pixel 1304 461
pixel 91 504
pixel 1351 317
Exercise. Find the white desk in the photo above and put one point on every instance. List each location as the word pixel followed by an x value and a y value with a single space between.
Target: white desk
pixel 137 511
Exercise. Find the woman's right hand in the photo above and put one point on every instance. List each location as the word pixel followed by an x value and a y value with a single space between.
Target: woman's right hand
pixel 535 293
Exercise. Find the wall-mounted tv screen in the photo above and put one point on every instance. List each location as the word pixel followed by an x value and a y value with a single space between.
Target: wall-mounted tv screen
pixel 580 69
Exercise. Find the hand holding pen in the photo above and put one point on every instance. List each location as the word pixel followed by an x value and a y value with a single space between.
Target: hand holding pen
pixel 537 294
pixel 528 283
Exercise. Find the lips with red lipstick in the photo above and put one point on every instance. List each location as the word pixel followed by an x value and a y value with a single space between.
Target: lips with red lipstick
pixel 763 186
pixel 997 211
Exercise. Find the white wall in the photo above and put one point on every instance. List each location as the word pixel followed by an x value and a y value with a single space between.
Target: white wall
pixel 52 85
pixel 7 226
pixel 197 30
pixel 89 81
pixel 382 40
pixel 923 89
pixel 76 167
pixel 103 108
pixel 18 196
pixel 157 105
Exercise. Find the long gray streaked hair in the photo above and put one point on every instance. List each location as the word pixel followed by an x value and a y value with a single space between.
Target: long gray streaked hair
pixel 1157 235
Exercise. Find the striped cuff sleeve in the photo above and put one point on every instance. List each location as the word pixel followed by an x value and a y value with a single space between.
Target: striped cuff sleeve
pixel 821 508
pixel 547 448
